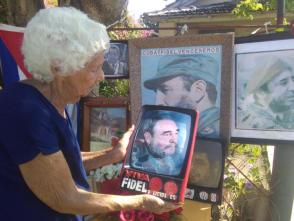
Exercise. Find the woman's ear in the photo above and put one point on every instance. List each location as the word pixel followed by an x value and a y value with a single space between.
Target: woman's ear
pixel 55 66
pixel 54 70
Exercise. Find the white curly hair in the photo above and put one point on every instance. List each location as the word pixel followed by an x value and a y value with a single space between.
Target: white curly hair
pixel 63 38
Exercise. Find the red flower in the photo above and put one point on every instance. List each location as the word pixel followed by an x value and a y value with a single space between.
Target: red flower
pixel 144 216
pixel 127 215
pixel 110 187
pixel 163 216
pixel 178 211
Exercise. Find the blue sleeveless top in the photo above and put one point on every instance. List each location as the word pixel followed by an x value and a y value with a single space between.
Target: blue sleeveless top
pixel 30 125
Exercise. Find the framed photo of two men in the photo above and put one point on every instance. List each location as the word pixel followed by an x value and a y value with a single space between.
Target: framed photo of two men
pixel 185 71
pixel 263 102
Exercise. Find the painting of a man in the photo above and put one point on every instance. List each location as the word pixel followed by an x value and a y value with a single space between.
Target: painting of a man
pixel 189 81
pixel 158 147
pixel 267 98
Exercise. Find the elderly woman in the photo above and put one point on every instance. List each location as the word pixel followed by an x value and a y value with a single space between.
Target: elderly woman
pixel 42 176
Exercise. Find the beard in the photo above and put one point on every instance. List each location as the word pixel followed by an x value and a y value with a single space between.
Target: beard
pixel 284 103
pixel 160 153
pixel 186 102
pixel 287 119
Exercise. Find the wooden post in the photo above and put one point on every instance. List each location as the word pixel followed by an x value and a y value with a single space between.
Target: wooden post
pixel 280 12
pixel 282 184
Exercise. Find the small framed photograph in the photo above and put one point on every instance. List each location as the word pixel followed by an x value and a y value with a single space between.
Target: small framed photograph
pixel 191 72
pixel 116 63
pixel 160 152
pixel 102 120
pixel 206 174
pixel 263 102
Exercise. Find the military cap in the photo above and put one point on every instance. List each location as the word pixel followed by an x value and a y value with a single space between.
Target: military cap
pixel 268 68
pixel 198 65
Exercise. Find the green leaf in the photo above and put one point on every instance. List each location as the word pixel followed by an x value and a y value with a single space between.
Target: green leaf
pixel 280 29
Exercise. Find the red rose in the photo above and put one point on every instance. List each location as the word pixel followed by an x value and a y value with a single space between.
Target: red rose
pixel 127 215
pixel 178 211
pixel 110 187
pixel 162 217
pixel 144 216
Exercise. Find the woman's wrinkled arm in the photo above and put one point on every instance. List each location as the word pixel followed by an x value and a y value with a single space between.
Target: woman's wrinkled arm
pixel 96 159
pixel 49 178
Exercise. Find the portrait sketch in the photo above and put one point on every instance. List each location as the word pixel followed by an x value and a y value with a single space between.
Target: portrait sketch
pixel 264 89
pixel 106 123
pixel 161 142
pixel 188 77
pixel 116 60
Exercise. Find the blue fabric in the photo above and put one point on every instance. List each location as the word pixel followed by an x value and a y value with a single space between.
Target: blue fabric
pixel 79 130
pixel 30 125
pixel 8 64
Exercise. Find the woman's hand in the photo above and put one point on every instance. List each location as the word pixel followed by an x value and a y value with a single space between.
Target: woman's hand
pixel 156 205
pixel 120 146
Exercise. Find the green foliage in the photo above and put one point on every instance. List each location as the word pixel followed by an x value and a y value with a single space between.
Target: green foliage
pixel 246 7
pixel 52 2
pixel 113 88
pixel 129 22
pixel 247 175
pixel 280 29
pixel 289 4
pixel 3 11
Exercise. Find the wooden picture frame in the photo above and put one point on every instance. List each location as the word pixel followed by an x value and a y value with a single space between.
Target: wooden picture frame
pixel 102 119
pixel 116 61
pixel 262 93
pixel 215 53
